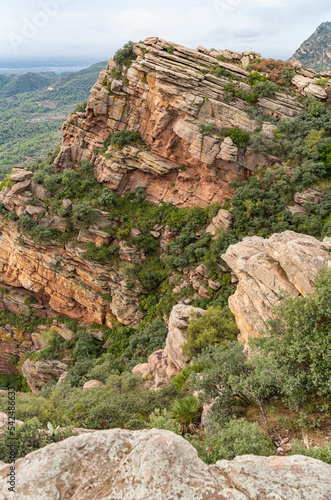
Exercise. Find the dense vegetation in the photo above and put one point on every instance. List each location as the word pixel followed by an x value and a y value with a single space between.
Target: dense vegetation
pixel 286 372
pixel 31 116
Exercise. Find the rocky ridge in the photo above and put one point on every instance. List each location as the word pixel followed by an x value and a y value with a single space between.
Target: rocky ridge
pixel 166 95
pixel 159 464
pixel 315 52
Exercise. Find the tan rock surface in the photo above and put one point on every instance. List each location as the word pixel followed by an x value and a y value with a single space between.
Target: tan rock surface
pixel 166 363
pixel 157 464
pixel 38 373
pixel 65 281
pixel 91 384
pixel 223 220
pixel 178 323
pixel 285 262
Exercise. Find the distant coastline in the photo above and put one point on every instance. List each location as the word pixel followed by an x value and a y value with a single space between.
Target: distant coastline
pixel 17 67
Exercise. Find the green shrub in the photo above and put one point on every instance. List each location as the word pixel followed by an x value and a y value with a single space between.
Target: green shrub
pixel 17 381
pixel 239 137
pixel 298 343
pixel 220 71
pixel 233 91
pixel 325 157
pixel 124 137
pixel 322 453
pixel 237 437
pixel 217 326
pixel 171 49
pixel 83 214
pixel 209 129
pixel 186 413
pixel 161 419
pixel 143 343
pixel 125 56
pixel 80 108
pixel 29 437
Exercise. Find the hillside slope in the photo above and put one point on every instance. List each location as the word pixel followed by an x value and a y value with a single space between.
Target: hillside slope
pixel 31 115
pixel 315 52
pixel 121 252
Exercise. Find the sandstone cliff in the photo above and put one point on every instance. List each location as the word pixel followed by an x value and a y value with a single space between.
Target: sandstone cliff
pixel 157 464
pixel 166 94
pixel 286 262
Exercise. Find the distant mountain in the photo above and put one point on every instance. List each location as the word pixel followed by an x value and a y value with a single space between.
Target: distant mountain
pixel 28 82
pixel 315 53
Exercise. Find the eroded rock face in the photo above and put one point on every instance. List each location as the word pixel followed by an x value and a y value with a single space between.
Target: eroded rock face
pixel 65 282
pixel 167 98
pixel 39 373
pixel 166 363
pixel 157 464
pixel 223 220
pixel 14 342
pixel 178 323
pixel 288 261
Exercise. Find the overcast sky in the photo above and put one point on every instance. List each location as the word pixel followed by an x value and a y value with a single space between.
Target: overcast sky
pixel 93 30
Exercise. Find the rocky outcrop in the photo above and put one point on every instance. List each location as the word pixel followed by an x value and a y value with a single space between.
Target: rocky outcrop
pixel 285 262
pixel 166 363
pixel 67 283
pixel 39 373
pixel 222 221
pixel 315 52
pixel 157 464
pixel 91 384
pixel 178 323
pixel 167 95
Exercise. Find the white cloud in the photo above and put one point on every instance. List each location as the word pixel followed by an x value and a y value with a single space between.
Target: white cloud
pixel 81 29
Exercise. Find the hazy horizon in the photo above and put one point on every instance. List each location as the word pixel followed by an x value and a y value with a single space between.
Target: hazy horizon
pixel 65 30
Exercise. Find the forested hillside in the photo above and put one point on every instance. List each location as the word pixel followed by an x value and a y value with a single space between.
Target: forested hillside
pixel 31 115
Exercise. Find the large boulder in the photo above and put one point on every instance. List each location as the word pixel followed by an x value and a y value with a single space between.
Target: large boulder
pixel 157 464
pixel 5 422
pixel 288 261
pixel 39 373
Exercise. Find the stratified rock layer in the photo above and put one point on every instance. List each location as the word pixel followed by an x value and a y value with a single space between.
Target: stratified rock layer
pixel 285 262
pixel 167 95
pixel 158 465
pixel 66 282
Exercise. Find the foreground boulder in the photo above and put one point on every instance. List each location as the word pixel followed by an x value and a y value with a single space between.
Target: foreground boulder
pixel 158 465
pixel 288 261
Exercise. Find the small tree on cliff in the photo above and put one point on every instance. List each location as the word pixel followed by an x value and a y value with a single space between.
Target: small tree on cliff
pixel 291 362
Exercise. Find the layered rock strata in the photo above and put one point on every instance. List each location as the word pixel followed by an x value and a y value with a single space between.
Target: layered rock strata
pixel 286 262
pixel 166 95
pixel 67 283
